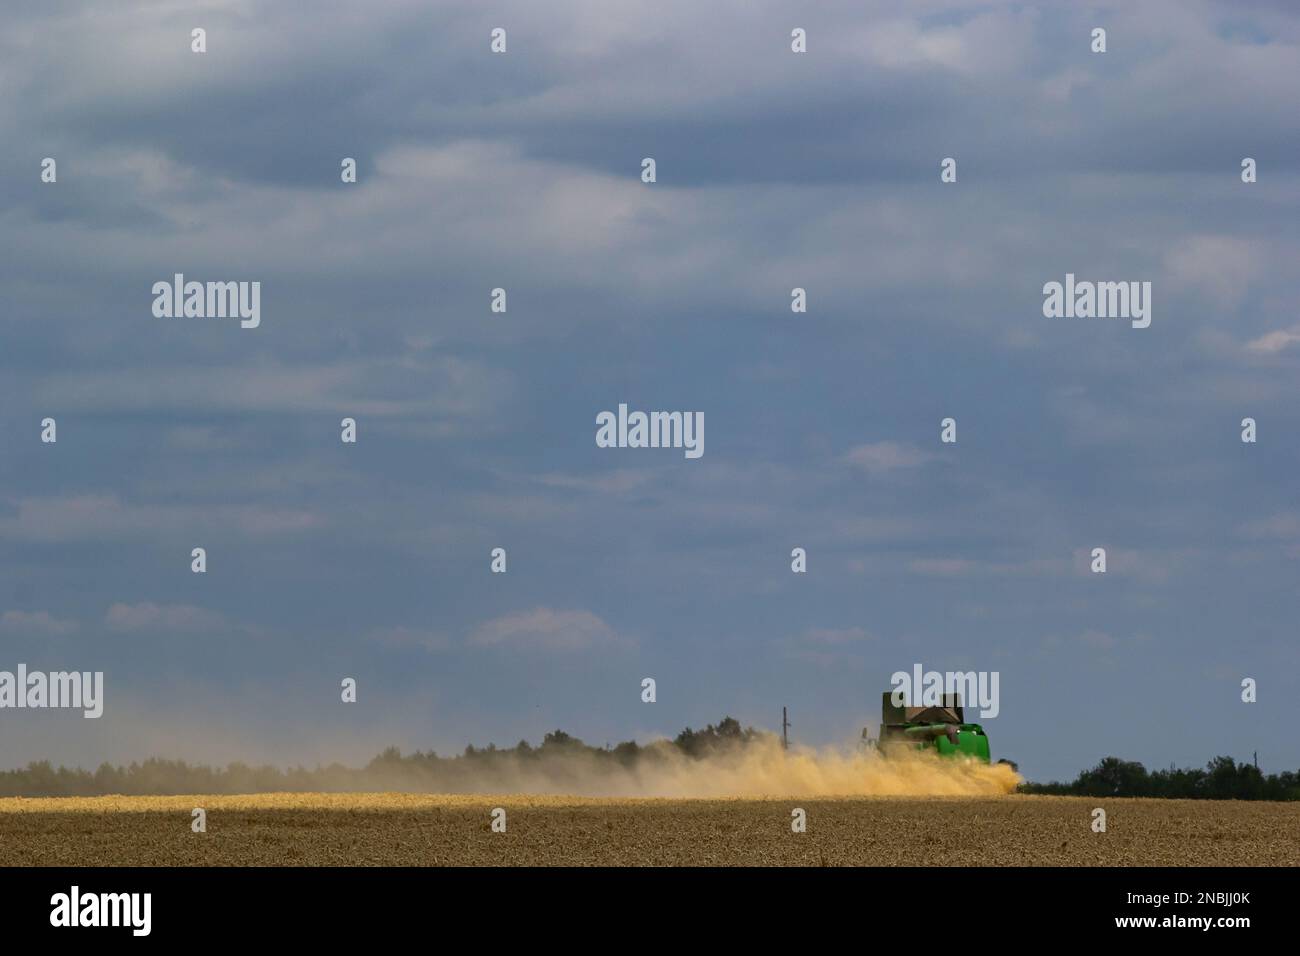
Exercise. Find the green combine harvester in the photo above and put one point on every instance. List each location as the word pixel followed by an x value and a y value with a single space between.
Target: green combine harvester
pixel 941 728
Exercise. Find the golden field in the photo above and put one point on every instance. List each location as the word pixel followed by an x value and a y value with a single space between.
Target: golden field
pixel 321 829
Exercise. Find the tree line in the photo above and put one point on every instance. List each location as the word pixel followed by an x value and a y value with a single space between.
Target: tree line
pixel 560 756
pixel 1222 779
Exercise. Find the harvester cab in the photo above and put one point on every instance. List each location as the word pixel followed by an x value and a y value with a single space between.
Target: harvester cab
pixel 941 727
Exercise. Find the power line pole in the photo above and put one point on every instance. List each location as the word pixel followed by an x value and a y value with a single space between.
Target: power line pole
pixel 785 727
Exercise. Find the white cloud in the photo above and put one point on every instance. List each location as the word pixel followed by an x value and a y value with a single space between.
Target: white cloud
pixel 440 385
pixel 1221 266
pixel 619 481
pixel 147 617
pixel 1283 524
pixel 1274 342
pixel 85 517
pixel 545 628
pixel 35 622
pixel 886 456
pixel 964 567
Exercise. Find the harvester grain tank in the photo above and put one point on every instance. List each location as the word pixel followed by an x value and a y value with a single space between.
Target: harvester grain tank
pixel 942 728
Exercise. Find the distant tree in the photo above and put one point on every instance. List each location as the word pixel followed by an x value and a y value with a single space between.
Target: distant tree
pixel 728 733
pixel 389 755
pixel 1114 778
pixel 558 738
pixel 729 728
pixel 627 752
pixel 686 741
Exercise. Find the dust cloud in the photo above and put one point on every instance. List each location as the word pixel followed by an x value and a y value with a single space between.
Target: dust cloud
pixel 760 768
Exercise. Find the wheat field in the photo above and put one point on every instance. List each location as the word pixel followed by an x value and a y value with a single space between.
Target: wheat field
pixel 320 829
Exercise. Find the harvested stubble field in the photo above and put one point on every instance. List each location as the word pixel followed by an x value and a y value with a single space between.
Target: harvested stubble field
pixel 425 830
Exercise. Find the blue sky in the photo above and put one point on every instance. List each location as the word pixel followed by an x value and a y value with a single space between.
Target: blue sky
pixel 476 430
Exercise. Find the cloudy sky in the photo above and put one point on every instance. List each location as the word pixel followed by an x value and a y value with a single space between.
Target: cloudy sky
pixel 476 430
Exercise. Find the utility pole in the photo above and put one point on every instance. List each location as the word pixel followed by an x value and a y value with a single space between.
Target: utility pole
pixel 785 727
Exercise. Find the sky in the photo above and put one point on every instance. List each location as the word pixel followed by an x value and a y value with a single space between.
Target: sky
pixel 476 429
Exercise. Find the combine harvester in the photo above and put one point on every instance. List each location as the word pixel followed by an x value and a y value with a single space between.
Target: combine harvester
pixel 941 728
